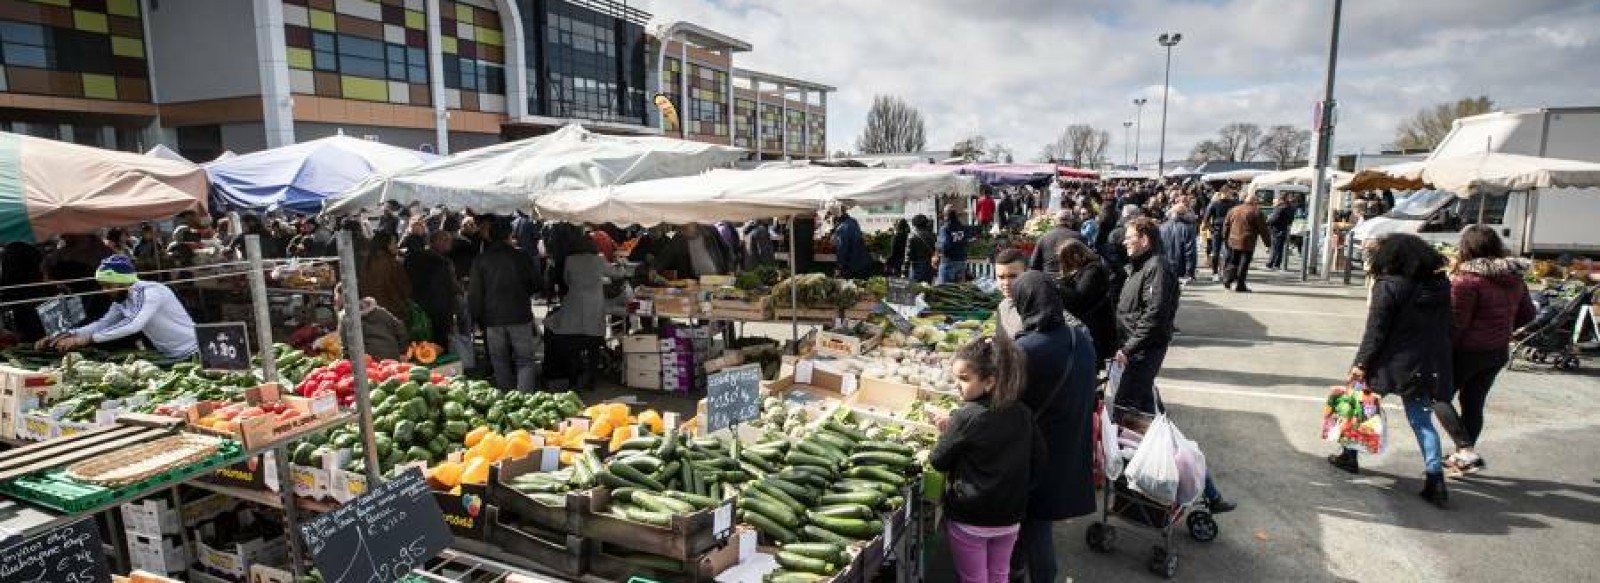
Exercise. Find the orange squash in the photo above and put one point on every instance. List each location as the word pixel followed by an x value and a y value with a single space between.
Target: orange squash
pixel 476 471
pixel 447 474
pixel 475 436
pixel 422 352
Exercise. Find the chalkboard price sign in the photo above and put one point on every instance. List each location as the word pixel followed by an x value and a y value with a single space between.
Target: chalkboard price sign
pixel 900 322
pixel 902 291
pixel 60 314
pixel 732 396
pixel 224 346
pixel 379 536
pixel 70 554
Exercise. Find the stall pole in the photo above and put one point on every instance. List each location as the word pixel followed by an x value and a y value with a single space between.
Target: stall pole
pixel 258 299
pixel 794 292
pixel 356 350
pixel 291 513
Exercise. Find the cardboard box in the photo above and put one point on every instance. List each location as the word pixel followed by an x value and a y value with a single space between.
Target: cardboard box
pixel 153 517
pixel 643 379
pixel 642 362
pixel 882 396
pixel 235 560
pixel 157 554
pixel 641 344
pixel 260 431
pixel 677 306
pixel 268 574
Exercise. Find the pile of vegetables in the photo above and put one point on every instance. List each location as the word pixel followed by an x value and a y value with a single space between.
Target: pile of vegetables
pixel 1038 226
pixel 339 378
pixel 959 298
pixel 815 290
pixel 140 385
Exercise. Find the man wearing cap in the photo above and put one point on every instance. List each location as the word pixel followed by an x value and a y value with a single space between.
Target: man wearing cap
pixel 1044 254
pixel 140 306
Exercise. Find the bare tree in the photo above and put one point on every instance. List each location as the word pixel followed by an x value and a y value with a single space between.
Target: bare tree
pixel 999 152
pixel 1429 126
pixel 1209 150
pixel 970 148
pixel 1083 145
pixel 1242 141
pixel 893 126
pixel 1286 145
pixel 1057 150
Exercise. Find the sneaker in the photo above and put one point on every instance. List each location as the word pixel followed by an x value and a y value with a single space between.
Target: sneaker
pixel 1470 463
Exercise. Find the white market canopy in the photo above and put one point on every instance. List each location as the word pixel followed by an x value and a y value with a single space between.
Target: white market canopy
pixel 739 195
pixel 501 178
pixel 1300 176
pixel 1234 175
pixel 1498 173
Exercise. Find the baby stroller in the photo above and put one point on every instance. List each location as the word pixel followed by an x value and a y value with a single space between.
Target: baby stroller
pixel 1138 510
pixel 1549 338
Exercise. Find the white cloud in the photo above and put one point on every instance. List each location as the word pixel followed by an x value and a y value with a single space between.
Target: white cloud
pixel 1021 70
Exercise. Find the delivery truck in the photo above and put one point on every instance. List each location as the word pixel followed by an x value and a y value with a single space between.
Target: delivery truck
pixel 1535 222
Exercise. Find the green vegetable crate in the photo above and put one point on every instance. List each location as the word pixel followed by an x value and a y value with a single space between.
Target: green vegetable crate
pixel 53 489
pixel 502 494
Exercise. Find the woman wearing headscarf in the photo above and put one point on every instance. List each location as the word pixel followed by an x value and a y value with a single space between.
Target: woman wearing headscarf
pixel 1060 390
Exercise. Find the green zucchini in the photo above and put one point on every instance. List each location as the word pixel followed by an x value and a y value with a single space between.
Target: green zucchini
pixel 824 551
pixel 646 443
pixel 851 527
pixel 888 446
pixel 801 493
pixel 879 458
pixel 667 472
pixel 817 449
pixel 800 458
pixel 631 474
pixel 845 511
pixel 835 440
pixel 854 484
pixel 660 503
pixel 650 517
pixel 669 446
pixel 781 576
pixel 766 464
pixel 766 487
pixel 611 480
pixel 646 463
pixel 864 498
pixel 770 509
pixel 876 474
pixel 701 502
pixel 854 434
pixel 799 562
pixel 816 533
pixel 770 527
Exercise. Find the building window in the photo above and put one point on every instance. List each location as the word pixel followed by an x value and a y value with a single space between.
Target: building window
pixel 23 45
pixel 325 51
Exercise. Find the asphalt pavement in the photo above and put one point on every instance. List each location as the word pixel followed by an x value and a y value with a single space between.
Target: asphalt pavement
pixel 1246 378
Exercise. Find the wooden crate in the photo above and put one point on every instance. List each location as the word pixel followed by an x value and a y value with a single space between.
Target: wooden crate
pixel 702 567
pixel 563 553
pixel 807 314
pixel 689 536
pixel 528 510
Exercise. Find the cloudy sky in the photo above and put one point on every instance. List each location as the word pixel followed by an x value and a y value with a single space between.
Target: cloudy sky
pixel 1019 71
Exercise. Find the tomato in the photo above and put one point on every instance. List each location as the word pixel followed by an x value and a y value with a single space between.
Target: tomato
pixel 343 367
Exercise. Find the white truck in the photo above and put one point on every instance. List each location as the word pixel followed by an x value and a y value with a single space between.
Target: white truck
pixel 1544 221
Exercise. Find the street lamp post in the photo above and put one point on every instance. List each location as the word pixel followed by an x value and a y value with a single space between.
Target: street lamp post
pixel 1167 40
pixel 1138 128
pixel 1127 125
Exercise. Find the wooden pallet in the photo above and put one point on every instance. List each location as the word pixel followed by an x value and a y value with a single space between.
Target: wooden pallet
pixel 68 450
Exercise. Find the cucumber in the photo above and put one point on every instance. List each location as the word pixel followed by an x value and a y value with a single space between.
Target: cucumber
pixel 801 493
pixel 539 487
pixel 631 474
pixel 669 446
pixel 824 551
pixel 845 511
pixel 611 480
pixel 791 577
pixel 710 443
pixel 775 493
pixel 646 443
pixel 624 494
pixel 835 426
pixel 774 510
pixel 816 533
pixel 701 502
pixel 888 446
pixel 770 527
pixel 766 464
pixel 807 479
pixel 879 458
pixel 661 503
pixel 667 472
pixel 835 440
pixel 799 458
pixel 799 562
pixel 864 498
pixel 855 484
pixel 851 527
pixel 686 474
pixel 822 451
pixel 649 517
pixel 643 462
pixel 876 474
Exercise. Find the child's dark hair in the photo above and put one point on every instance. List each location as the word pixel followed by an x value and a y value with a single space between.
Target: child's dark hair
pixel 997 357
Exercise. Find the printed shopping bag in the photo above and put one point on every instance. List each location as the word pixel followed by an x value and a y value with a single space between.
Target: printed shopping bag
pixel 1353 417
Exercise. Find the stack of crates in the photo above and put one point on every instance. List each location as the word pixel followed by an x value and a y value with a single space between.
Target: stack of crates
pixel 152 529
pixel 22 390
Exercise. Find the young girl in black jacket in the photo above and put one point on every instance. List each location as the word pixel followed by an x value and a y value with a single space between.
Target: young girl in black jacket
pixel 986 450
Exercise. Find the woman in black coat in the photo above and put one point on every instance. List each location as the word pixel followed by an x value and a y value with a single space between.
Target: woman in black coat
pixel 1086 294
pixel 1060 390
pixel 896 262
pixel 1406 347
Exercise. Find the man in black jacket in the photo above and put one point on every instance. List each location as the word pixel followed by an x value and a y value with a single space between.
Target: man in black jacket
pixel 1213 219
pixel 1145 312
pixel 1045 255
pixel 434 285
pixel 500 297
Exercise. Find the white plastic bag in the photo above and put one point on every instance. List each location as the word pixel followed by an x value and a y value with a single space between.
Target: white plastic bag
pixel 1191 471
pixel 1113 379
pixel 1153 471
pixel 1109 450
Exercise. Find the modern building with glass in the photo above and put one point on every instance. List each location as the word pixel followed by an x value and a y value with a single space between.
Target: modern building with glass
pixel 207 76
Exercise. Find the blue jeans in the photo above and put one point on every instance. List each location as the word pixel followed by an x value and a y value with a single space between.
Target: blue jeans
pixel 512 352
pixel 922 272
pixel 1280 249
pixel 1036 545
pixel 1419 412
pixel 951 271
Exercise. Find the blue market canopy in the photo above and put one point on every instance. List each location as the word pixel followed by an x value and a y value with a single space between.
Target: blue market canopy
pixel 298 177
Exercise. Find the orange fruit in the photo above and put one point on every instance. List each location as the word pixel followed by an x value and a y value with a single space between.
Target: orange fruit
pixel 475 436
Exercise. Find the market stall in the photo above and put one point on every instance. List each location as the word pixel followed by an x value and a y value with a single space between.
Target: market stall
pixel 499 178
pixel 299 177
pixel 48 188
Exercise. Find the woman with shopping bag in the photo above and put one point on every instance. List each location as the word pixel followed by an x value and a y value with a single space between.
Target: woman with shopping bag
pixel 1405 350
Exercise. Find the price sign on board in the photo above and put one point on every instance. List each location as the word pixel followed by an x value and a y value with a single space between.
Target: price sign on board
pixel 224 346
pixel 379 536
pixel 70 554
pixel 733 395
pixel 902 291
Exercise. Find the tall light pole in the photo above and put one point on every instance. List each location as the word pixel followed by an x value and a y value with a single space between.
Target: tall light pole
pixel 1138 127
pixel 1320 237
pixel 1167 40
pixel 1127 125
